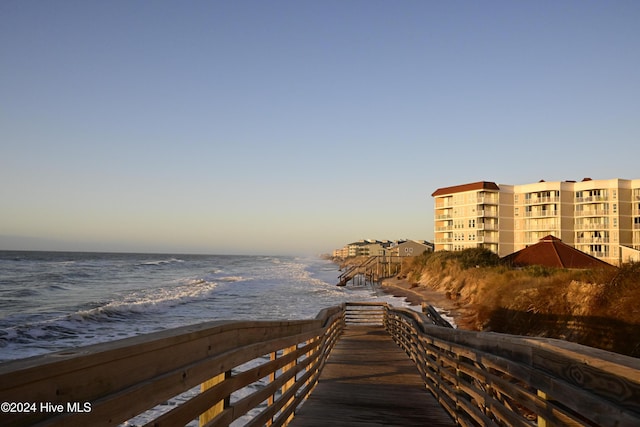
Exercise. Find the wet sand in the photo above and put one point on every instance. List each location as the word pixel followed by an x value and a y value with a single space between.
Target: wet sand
pixel 462 314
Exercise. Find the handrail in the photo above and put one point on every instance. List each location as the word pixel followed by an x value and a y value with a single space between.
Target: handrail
pixel 367 268
pixel 487 378
pixel 355 270
pixel 107 384
pixel 262 371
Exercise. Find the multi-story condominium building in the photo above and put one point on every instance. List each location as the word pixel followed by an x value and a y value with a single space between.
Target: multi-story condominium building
pixel 367 248
pixel 599 217
pixel 470 215
pixel 384 247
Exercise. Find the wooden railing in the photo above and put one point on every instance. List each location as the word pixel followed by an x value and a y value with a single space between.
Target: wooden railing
pixel 372 269
pixel 496 379
pixel 259 372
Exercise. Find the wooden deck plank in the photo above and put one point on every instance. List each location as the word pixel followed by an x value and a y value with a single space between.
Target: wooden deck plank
pixel 369 381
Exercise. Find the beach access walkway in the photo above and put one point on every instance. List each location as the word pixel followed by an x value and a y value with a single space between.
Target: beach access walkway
pixel 369 381
pixel 358 364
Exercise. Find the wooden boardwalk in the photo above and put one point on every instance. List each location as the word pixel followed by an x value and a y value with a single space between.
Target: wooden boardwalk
pixel 369 381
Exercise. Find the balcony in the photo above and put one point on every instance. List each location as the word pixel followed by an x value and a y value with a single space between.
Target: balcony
pixel 539 225
pixel 487 239
pixel 487 226
pixel 592 226
pixel 487 200
pixel 444 240
pixel 592 212
pixel 444 216
pixel 587 240
pixel 445 228
pixel 541 200
pixel 488 213
pixel 591 199
pixel 598 254
pixel 541 213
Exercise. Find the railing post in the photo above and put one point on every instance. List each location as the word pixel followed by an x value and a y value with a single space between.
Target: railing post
pixel 291 382
pixel 272 377
pixel 541 421
pixel 309 355
pixel 216 409
pixel 286 386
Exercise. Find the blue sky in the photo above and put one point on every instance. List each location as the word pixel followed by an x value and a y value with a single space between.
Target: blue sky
pixel 285 127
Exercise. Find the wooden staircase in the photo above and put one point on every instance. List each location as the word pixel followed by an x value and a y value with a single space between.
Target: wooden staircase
pixel 373 269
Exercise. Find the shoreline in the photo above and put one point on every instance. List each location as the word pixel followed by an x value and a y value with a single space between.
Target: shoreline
pixel 461 313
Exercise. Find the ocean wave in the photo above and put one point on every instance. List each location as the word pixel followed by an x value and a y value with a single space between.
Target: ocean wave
pixel 99 322
pixel 38 334
pixel 21 293
pixel 61 263
pixel 232 279
pixel 161 262
pixel 152 301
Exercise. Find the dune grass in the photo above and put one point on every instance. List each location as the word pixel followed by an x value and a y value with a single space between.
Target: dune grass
pixel 600 307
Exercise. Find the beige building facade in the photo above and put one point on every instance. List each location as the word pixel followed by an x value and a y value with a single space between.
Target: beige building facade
pixel 409 248
pixel 470 216
pixel 598 217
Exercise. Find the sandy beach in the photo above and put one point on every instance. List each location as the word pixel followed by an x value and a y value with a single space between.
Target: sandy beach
pixel 461 313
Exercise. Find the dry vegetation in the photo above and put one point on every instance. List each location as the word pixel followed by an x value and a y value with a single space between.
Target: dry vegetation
pixel 600 308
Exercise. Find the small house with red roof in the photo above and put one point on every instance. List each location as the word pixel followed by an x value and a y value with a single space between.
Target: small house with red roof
pixel 552 252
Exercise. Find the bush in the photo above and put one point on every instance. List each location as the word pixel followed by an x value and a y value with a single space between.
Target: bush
pixel 539 270
pixel 477 257
pixel 628 275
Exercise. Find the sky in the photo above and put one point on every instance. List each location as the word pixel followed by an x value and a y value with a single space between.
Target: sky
pixel 296 127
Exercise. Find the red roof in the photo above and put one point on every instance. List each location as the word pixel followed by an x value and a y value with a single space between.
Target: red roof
pixel 552 252
pixel 481 185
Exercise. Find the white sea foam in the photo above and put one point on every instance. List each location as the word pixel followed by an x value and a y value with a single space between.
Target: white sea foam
pixel 102 297
pixel 232 279
pixel 162 261
pixel 149 301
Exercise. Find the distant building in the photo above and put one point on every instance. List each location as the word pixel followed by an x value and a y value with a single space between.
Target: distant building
pixel 409 248
pixel 367 248
pixel 341 253
pixel 598 217
pixel 383 247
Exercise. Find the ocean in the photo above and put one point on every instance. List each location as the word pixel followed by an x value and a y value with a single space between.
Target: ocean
pixel 51 301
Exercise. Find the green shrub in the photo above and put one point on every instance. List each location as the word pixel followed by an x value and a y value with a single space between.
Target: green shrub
pixel 477 257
